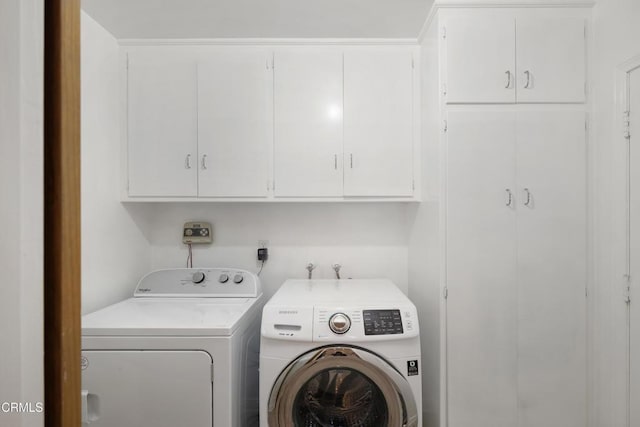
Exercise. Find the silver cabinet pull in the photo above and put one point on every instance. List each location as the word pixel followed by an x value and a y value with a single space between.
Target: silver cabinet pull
pixel 528 75
pixel 351 160
pixel 508 73
pixel 335 161
pixel 528 193
pixel 187 162
pixel 509 198
pixel 204 161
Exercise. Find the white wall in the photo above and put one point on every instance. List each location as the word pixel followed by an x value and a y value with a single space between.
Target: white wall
pixel 115 252
pixel 121 242
pixel 616 40
pixel 21 193
pixel 368 240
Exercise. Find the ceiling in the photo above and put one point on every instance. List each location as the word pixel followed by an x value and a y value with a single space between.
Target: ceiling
pixel 260 18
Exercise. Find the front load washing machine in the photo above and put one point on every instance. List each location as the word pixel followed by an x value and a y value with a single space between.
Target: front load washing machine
pixel 343 353
pixel 182 352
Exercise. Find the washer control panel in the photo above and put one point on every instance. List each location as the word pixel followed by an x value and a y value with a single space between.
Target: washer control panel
pixel 339 324
pixel 382 322
pixel 199 282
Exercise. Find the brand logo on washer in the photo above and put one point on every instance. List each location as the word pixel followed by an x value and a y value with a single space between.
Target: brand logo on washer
pixel 288 312
pixel 144 290
pixel 412 367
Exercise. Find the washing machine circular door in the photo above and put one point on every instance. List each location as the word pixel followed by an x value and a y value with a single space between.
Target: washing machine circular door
pixel 341 386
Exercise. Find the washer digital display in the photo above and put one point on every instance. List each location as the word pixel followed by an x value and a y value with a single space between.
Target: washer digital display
pixel 382 322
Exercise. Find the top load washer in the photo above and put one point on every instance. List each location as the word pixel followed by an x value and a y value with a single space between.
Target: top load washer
pixel 183 351
pixel 340 353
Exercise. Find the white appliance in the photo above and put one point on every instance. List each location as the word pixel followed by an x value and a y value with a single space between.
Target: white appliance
pixel 340 352
pixel 183 351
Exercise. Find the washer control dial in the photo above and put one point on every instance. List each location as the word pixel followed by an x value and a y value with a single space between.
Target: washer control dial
pixel 339 323
pixel 198 277
pixel 237 279
pixel 224 278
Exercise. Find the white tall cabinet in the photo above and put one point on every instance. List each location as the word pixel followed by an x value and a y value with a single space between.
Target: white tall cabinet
pixel 512 135
pixel 552 267
pixel 481 269
pixel 516 268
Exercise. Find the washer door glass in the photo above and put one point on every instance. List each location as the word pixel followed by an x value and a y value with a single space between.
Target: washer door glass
pixel 341 386
pixel 340 397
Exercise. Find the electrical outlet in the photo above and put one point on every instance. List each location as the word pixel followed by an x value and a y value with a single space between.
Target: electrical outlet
pixel 263 250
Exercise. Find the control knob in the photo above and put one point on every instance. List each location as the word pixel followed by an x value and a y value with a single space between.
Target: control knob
pixel 339 323
pixel 237 279
pixel 224 278
pixel 198 277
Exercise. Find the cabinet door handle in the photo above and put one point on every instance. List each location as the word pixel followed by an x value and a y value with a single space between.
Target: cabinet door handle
pixel 204 161
pixel 351 160
pixel 527 85
pixel 509 198
pixel 187 162
pixel 335 161
pixel 508 73
pixel 528 201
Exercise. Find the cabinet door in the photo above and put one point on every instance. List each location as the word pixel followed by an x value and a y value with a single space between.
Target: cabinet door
pixel 234 124
pixel 552 269
pixel 551 59
pixel 481 270
pixel 162 125
pixel 148 388
pixel 480 58
pixel 308 124
pixel 378 125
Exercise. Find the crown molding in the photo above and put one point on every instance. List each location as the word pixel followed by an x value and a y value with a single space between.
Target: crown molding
pixel 271 42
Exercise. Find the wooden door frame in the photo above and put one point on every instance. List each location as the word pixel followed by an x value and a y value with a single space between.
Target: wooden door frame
pixel 62 213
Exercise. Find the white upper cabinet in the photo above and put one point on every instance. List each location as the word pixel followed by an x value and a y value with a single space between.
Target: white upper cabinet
pixel 229 122
pixel 234 124
pixel 308 124
pixel 495 57
pixel 480 65
pixel 378 123
pixel 551 60
pixel 162 126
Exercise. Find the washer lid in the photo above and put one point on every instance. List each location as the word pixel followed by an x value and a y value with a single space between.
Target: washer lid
pixel 325 292
pixel 170 316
